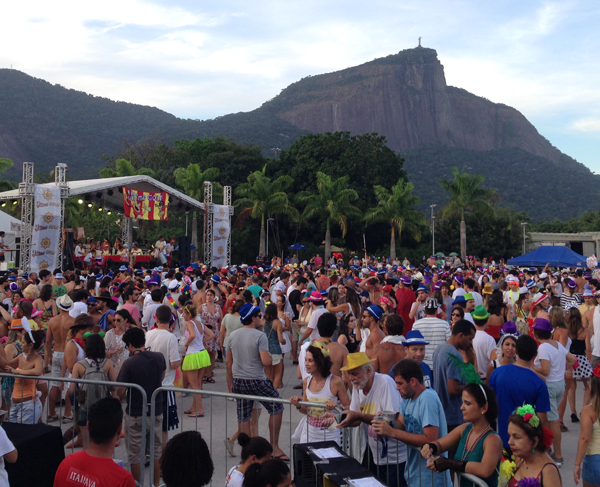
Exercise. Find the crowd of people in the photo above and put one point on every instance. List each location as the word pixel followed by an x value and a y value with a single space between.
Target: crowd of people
pixel 442 367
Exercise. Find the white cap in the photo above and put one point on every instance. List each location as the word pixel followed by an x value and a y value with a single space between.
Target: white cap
pixel 543 275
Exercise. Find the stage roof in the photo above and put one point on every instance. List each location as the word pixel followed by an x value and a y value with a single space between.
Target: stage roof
pixel 97 191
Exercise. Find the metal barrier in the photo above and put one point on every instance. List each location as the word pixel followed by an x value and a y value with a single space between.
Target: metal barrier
pixel 28 412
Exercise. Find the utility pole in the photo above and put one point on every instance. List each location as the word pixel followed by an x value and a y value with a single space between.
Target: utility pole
pixel 432 206
pixel 524 237
pixel 267 251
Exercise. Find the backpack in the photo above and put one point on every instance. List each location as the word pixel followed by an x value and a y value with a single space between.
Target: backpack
pixel 90 394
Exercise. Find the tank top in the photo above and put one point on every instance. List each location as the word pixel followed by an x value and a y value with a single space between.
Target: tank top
pixel 577 347
pixel 540 478
pixel 475 455
pixel 273 339
pixel 315 415
pixel 352 344
pixel 80 351
pixel 594 444
pixel 197 344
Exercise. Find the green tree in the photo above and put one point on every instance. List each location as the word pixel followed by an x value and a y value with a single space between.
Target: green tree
pixel 262 197
pixel 396 209
pixel 467 196
pixel 123 167
pixel 333 202
pixel 5 165
pixel 192 179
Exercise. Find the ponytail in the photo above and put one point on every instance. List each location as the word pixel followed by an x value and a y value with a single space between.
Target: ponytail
pixel 272 472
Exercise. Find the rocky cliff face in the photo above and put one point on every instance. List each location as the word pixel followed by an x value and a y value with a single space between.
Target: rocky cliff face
pixel 405 98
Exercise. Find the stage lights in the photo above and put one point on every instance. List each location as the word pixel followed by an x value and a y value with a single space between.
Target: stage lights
pixel 15 202
pixel 100 209
pixel 109 212
pixel 110 192
pixel 3 204
pixel 90 205
pixel 80 201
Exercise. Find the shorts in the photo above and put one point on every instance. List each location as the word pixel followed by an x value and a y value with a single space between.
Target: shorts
pixel 556 391
pixel 296 331
pixel 133 437
pixel 170 419
pixel 57 361
pixel 253 387
pixel 27 412
pixel 82 418
pixel 590 469
pixel 276 358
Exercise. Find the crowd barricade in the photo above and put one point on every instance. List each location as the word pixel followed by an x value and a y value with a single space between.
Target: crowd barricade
pixel 30 413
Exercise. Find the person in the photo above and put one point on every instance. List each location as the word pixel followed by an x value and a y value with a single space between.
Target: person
pixel 272 473
pixel 95 465
pixel 115 348
pixel 146 369
pixel 347 333
pixel 371 318
pixel 580 347
pixel 529 442
pixel 449 382
pixel 587 460
pixel 47 304
pixel 417 311
pixel 479 456
pixel 405 298
pixel 160 339
pixel 247 358
pixel 421 421
pixel 391 349
pixel 515 384
pixel 130 297
pixel 210 316
pixel 506 353
pixel 254 450
pixel 231 322
pixel 106 306
pixel 8 453
pixel 434 330
pixel 190 450
pixel 273 330
pixel 317 309
pixel 372 393
pixel 148 320
pixel 322 387
pixel 197 359
pixel 483 343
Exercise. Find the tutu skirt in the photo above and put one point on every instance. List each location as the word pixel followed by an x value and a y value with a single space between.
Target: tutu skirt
pixel 195 361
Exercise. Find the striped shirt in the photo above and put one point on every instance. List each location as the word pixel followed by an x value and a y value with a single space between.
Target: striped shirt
pixel 568 301
pixel 435 332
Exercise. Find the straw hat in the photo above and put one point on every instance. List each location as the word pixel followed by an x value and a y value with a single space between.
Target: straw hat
pixel 356 360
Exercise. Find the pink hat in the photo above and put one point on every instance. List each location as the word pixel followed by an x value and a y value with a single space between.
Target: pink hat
pixel 36 313
pixel 385 300
pixel 315 296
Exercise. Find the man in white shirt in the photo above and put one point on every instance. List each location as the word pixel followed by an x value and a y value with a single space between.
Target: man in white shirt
pixel 80 307
pixel 434 330
pixel 162 340
pixel 316 303
pixel 470 288
pixel 148 320
pixel 483 343
pixel 458 285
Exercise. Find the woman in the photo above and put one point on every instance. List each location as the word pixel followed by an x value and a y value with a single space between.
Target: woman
pixel 189 449
pixel 90 286
pixel 322 387
pixel 479 446
pixel 552 361
pixel 456 315
pixel 273 329
pixel 506 353
pixel 211 316
pixel 286 324
pixel 254 450
pixel 197 359
pixel 116 350
pixel 442 313
pixel 347 333
pixel 495 320
pixel 559 325
pixel 539 306
pixel 587 461
pixel 580 348
pixel 305 314
pixel 529 443
pixel 272 473
pixel 47 304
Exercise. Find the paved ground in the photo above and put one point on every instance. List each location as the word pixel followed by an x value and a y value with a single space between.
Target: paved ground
pixel 220 422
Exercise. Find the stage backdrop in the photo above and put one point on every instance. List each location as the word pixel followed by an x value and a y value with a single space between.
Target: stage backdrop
pixel 45 234
pixel 221 231
pixel 144 205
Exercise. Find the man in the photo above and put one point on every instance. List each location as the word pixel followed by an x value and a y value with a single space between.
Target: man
pixel 130 296
pixel 281 286
pixel 80 297
pixel 495 281
pixel 148 320
pixel 371 318
pixel 421 420
pixel 152 285
pixel 92 304
pixel 146 369
pixel 434 330
pixel 162 340
pixel 247 356
pixel 391 349
pixel 518 384
pixel 106 306
pixel 458 286
pixel 470 288
pixel 45 278
pixel 415 350
pixel 405 297
pixel 417 311
pixel 56 340
pixel 587 308
pixel 373 393
pixel 318 261
pixel 256 286
pixel 58 288
pixel 469 306
pixel 318 308
pixel 95 466
pixel 449 383
pixel 483 343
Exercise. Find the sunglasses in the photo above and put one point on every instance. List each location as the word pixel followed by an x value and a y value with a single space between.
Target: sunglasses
pixel 455 314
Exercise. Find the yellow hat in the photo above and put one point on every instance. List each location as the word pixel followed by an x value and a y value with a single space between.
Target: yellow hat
pixel 356 360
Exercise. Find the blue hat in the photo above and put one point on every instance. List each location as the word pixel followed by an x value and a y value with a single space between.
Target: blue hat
pixel 153 282
pixel 99 276
pixel 414 337
pixel 110 274
pixel 268 267
pixel 25 275
pixel 375 311
pixel 122 268
pixel 324 292
pixel 249 271
pixel 216 279
pixel 422 288
pixel 248 311
pixel 92 299
pixel 381 272
pixel 12 278
pixel 459 299
pixel 530 283
pixel 139 271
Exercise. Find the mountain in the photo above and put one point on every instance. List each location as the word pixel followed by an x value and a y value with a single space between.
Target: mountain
pixel 402 96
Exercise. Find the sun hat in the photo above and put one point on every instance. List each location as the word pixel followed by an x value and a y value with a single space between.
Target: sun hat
pixel 571 284
pixel 588 293
pixel 437 285
pixel 92 299
pixel 64 302
pixel 385 300
pixel 58 276
pixel 459 299
pixel 375 311
pixel 173 285
pixel 316 297
pixel 123 268
pixel 153 282
pixel 538 298
pixel 388 288
pixel 487 289
pixel 414 337
pixel 523 290
pixel 543 275
pixel 542 324
pixel 216 279
pixel 459 279
pixel 422 288
pixel 36 312
pixel 14 287
pixel 468 297
pixel 480 313
pixel 248 311
pixel 530 283
pixel 406 280
pixel 104 296
pixel 509 328
pixel 355 360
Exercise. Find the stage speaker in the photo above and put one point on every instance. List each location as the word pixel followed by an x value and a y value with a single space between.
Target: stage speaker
pixel 153 263
pixel 185 251
pixel 68 249
pixel 113 263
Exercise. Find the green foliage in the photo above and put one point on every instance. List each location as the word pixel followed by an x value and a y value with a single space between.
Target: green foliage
pixel 192 178
pixel 588 222
pixel 467 195
pixel 125 168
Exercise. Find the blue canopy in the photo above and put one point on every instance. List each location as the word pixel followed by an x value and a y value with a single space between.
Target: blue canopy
pixel 555 255
pixel 297 246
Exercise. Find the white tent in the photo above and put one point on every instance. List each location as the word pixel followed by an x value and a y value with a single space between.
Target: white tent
pixel 12 228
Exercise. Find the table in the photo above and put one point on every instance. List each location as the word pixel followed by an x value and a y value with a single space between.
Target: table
pixel 40 449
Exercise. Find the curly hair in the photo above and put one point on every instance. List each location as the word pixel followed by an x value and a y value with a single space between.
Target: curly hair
pixel 322 363
pixel 189 449
pixel 531 432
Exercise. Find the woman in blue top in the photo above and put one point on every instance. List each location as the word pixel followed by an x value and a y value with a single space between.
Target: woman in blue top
pixel 273 330
pixel 479 446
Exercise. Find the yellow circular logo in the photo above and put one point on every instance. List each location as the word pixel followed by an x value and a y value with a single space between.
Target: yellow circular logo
pixel 48 217
pixel 47 194
pixel 45 243
pixel 43 265
pixel 220 249
pixel 221 211
pixel 222 230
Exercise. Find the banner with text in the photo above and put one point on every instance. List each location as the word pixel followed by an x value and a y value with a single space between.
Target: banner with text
pixel 144 205
pixel 221 231
pixel 45 235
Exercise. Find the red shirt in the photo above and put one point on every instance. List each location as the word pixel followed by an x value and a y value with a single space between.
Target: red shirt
pixel 81 469
pixel 405 298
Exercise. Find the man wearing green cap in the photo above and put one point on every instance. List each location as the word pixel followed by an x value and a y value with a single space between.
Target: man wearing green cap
pixel 483 343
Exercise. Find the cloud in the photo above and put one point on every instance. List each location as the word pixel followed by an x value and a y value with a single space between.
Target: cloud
pixel 588 125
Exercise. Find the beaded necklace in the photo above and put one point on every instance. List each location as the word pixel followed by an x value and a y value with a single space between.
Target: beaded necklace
pixel 466 453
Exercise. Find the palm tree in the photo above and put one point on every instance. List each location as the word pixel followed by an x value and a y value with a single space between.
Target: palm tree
pixel 395 208
pixel 191 179
pixel 467 196
pixel 261 197
pixel 124 168
pixel 332 202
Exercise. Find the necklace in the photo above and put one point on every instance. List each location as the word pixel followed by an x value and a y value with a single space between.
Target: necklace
pixel 466 453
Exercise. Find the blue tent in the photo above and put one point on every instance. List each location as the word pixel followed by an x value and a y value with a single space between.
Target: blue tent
pixel 555 255
pixel 297 246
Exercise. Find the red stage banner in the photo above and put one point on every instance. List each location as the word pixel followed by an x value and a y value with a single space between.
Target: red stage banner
pixel 144 205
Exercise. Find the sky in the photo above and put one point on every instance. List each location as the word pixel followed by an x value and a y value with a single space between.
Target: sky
pixel 201 60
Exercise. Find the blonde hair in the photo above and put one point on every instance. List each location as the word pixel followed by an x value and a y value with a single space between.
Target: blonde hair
pixel 190 308
pixel 31 292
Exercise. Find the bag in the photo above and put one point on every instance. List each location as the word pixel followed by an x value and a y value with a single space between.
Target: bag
pixel 90 394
